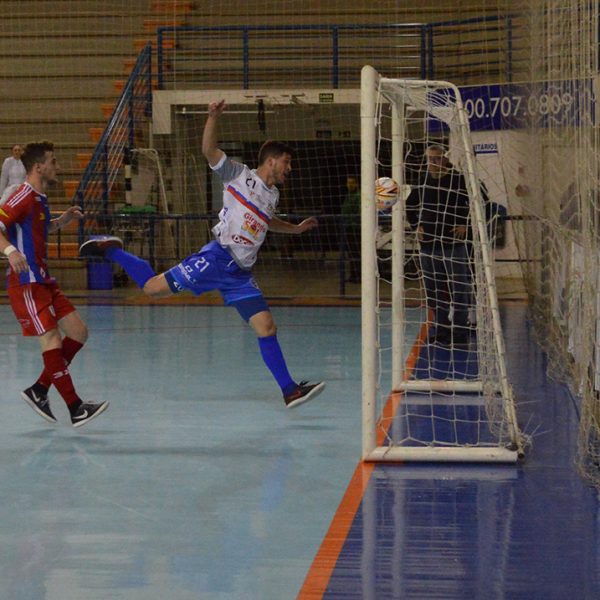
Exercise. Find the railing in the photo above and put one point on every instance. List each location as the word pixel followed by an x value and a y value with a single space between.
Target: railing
pixel 324 252
pixel 133 106
pixel 164 240
pixel 258 55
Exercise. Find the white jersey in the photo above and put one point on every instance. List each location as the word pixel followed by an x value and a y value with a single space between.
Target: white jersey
pixel 248 207
pixel 8 192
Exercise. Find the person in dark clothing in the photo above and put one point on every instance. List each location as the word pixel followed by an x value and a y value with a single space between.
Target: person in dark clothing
pixel 438 209
pixel 351 223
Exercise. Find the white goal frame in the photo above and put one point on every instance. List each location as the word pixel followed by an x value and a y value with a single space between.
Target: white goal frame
pixel 370 82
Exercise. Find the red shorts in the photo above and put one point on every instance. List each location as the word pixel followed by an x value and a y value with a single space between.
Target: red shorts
pixel 38 307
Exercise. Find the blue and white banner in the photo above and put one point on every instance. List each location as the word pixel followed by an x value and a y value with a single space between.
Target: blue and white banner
pixel 517 106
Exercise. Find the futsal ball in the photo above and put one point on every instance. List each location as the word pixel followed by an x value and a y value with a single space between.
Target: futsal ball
pixel 386 193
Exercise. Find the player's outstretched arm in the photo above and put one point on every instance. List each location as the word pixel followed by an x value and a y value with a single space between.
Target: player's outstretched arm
pixel 280 226
pixel 210 149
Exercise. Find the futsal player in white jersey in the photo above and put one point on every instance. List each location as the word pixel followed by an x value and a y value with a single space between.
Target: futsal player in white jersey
pixel 249 204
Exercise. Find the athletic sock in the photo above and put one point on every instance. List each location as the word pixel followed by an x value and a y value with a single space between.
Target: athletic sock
pixel 273 357
pixel 61 379
pixel 138 269
pixel 70 348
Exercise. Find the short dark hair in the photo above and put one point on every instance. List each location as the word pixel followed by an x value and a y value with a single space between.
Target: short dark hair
pixel 35 152
pixel 438 148
pixel 274 149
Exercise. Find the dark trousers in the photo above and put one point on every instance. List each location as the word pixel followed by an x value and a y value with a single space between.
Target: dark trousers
pixel 447 282
pixel 353 253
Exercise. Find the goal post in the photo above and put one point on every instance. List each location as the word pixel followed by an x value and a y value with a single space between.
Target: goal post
pixel 423 401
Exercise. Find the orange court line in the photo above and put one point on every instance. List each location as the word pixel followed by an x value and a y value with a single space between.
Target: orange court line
pixel 319 574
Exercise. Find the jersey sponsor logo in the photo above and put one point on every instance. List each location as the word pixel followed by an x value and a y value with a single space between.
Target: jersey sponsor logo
pixel 253 226
pixel 187 271
pixel 240 239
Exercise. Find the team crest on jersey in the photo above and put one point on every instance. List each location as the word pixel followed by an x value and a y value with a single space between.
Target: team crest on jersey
pixel 42 217
pixel 3 213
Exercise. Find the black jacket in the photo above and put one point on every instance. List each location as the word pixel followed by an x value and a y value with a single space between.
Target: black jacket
pixel 439 205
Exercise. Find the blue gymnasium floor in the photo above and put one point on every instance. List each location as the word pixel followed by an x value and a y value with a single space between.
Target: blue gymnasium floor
pixel 198 484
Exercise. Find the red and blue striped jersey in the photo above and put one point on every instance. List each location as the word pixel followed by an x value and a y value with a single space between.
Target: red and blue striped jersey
pixel 24 220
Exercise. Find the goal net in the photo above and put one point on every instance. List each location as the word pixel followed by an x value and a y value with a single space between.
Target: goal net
pixel 435 385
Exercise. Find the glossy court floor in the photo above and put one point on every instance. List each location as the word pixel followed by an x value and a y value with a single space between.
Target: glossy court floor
pixel 197 483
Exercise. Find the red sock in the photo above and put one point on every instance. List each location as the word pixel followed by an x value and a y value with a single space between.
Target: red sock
pixel 70 348
pixel 55 365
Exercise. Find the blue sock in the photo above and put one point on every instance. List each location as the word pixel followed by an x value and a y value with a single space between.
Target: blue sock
pixel 273 357
pixel 138 269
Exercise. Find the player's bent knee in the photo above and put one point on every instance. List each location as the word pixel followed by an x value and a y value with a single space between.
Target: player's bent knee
pixel 83 334
pixel 263 324
pixel 73 326
pixel 157 287
pixel 50 340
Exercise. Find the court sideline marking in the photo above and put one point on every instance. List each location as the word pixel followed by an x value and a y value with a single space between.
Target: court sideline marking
pixel 319 574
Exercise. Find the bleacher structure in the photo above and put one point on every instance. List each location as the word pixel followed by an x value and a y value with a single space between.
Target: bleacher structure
pixel 63 74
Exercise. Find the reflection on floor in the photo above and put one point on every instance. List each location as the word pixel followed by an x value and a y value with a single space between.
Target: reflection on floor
pixel 198 483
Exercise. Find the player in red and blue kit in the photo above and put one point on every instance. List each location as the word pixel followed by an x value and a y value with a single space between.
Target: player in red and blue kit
pixel 38 303
pixel 250 198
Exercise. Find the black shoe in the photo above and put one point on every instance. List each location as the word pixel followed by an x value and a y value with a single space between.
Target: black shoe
pixel 442 336
pixel 461 336
pixel 39 402
pixel 86 412
pixel 303 393
pixel 96 246
pixel 443 340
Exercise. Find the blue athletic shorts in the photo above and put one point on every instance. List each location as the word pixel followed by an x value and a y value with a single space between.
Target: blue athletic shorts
pixel 213 269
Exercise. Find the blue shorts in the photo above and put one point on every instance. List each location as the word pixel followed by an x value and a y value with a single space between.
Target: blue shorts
pixel 213 269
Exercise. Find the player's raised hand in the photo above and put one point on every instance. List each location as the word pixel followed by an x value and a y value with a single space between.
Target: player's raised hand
pixel 216 108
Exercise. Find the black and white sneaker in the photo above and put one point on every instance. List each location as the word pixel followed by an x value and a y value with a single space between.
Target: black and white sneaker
pixel 303 393
pixel 97 245
pixel 86 412
pixel 39 402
